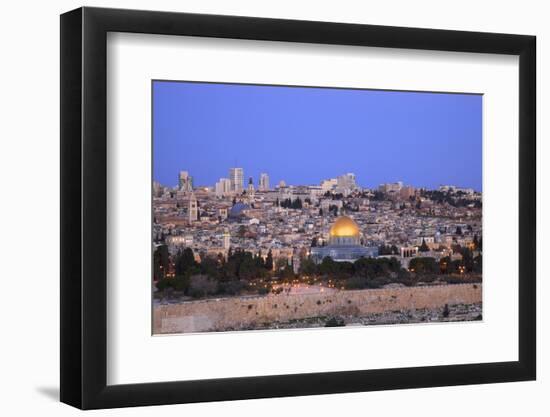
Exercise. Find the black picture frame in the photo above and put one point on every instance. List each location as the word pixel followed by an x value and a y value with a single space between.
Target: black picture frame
pixel 84 207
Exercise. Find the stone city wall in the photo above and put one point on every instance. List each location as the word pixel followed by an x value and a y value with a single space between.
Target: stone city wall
pixel 234 313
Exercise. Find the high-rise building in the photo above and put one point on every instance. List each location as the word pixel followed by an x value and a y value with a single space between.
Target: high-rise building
pixel 328 185
pixel 193 209
pixel 223 187
pixel 236 175
pixel 346 183
pixel 264 182
pixel 185 181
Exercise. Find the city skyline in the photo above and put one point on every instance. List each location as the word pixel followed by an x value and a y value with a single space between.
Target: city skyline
pixel 423 139
pixel 273 185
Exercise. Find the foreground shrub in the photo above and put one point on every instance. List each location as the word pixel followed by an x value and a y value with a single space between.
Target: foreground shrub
pixel 377 282
pixel 356 283
pixel 180 283
pixel 424 265
pixel 202 286
pixel 263 291
pixel 163 284
pixel 231 287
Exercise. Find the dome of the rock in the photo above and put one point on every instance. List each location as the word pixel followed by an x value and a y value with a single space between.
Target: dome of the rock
pixel 344 243
pixel 344 227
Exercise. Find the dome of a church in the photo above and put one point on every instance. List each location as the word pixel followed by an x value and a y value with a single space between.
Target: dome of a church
pixel 344 227
pixel 237 209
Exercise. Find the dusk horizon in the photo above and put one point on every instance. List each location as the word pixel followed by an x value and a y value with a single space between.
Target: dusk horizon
pixel 303 135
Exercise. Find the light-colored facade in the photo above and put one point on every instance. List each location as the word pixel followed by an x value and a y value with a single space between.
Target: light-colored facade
pixel 393 187
pixel 236 176
pixel 223 213
pixel 345 184
pixel 223 187
pixel 408 251
pixel 407 192
pixel 264 182
pixel 185 181
pixel 193 209
pixel 328 185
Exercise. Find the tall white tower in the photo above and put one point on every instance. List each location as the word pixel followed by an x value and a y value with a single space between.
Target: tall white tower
pixel 193 208
pixel 264 182
pixel 226 239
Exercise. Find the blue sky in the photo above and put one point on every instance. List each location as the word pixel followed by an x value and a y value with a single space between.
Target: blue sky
pixel 304 135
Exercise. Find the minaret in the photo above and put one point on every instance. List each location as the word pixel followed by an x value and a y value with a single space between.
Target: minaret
pixel 226 239
pixel 193 208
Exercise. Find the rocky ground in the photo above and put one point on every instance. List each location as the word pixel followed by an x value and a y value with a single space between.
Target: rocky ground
pixel 453 313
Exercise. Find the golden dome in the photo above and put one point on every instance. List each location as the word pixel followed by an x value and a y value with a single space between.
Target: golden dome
pixel 344 227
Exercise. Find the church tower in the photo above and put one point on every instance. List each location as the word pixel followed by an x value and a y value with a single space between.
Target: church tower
pixel 250 186
pixel 193 208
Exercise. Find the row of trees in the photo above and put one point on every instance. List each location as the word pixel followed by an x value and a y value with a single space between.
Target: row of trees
pixel 229 275
pixel 365 267
pixel 288 203
pixel 446 265
pixel 375 273
pixel 240 264
pixel 216 275
pixel 389 267
pixel 363 273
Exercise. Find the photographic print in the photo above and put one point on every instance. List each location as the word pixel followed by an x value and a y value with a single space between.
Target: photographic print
pixel 292 207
